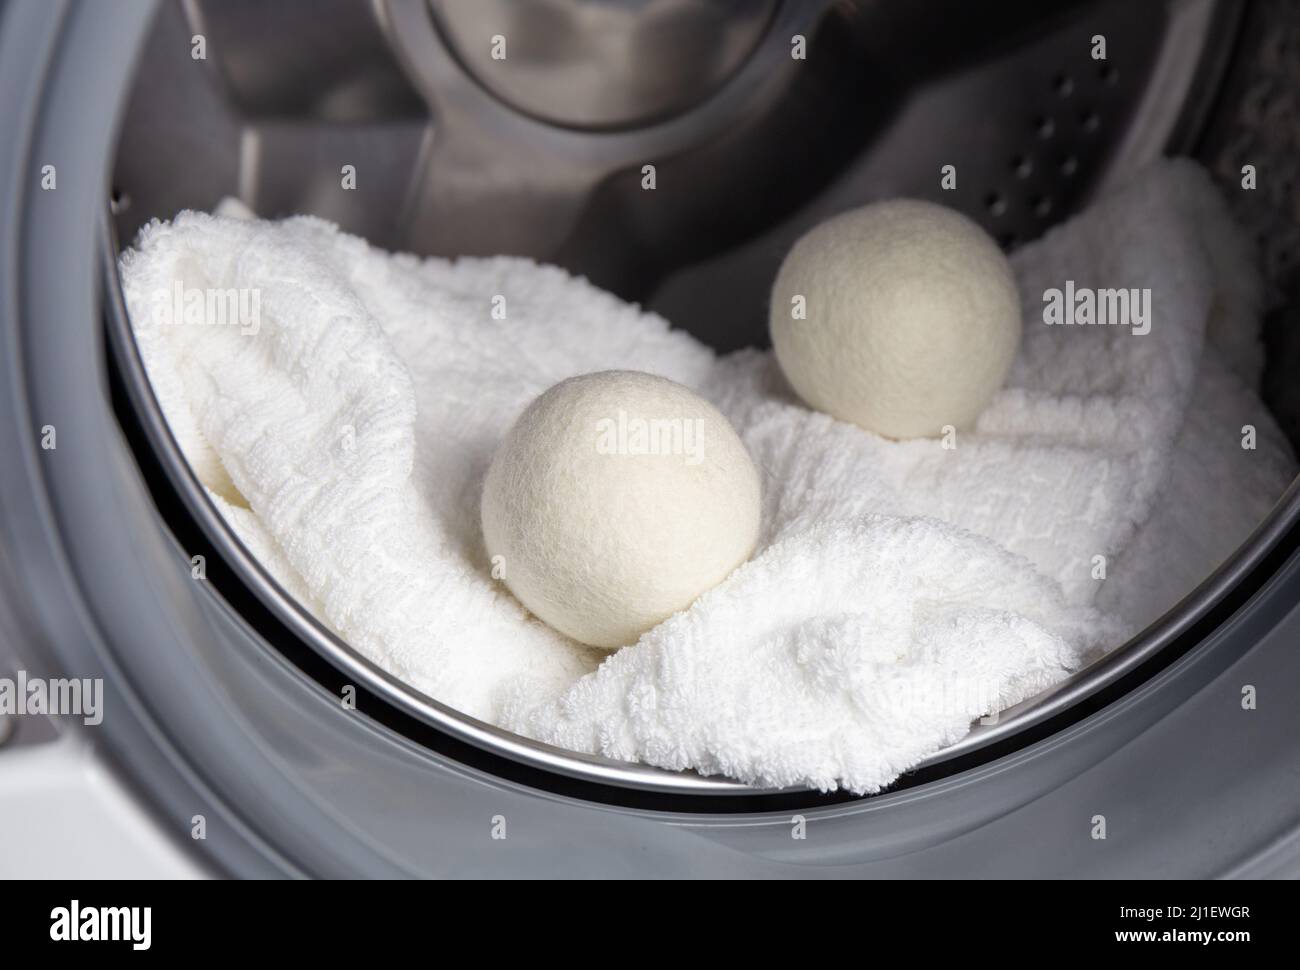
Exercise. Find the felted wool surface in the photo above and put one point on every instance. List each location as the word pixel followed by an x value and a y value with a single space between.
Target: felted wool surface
pixel 900 316
pixel 616 500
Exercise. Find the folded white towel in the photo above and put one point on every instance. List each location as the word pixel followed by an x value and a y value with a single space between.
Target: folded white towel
pixel 901 588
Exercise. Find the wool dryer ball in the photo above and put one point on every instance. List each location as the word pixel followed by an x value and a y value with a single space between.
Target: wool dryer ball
pixel 912 318
pixel 615 500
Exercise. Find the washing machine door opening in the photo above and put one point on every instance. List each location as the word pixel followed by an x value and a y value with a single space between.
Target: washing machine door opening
pixel 1040 126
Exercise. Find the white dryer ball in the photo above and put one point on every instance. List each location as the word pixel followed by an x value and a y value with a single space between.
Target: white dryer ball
pixel 912 318
pixel 616 499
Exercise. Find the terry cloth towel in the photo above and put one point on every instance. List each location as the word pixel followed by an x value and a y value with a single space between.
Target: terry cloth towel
pixel 343 411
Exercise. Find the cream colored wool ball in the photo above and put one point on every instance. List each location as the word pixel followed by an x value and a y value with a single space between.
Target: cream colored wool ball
pixel 912 318
pixel 615 500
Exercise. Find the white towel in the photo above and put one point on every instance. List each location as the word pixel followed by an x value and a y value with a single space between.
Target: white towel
pixel 901 589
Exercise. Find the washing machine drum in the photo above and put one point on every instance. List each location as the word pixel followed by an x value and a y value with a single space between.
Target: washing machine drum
pixel 225 694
